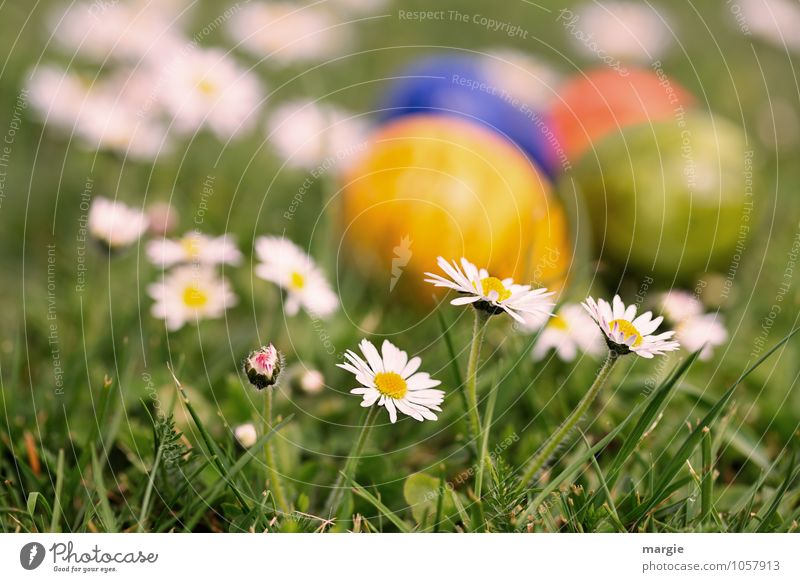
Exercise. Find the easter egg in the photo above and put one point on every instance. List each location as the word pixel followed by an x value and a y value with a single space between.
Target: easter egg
pixel 593 105
pixel 669 198
pixel 440 186
pixel 472 88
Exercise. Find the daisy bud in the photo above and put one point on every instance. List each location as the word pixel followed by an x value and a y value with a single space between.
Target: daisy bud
pixel 246 435
pixel 263 366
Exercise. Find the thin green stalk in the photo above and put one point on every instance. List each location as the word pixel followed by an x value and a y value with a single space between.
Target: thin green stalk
pixel 471 386
pixel 707 479
pixel 348 473
pixel 269 453
pixel 56 517
pixel 558 437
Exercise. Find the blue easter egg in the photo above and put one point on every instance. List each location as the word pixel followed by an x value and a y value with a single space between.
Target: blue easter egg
pixel 463 86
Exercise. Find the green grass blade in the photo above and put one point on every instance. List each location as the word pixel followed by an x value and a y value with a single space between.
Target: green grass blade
pixel 380 506
pixel 691 442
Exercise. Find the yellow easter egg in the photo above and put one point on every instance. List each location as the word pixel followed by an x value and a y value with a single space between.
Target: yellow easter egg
pixel 432 186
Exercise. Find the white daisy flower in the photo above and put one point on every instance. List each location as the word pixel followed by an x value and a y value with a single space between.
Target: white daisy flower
pixel 569 332
pixel 103 116
pixel 627 333
pixel 490 293
pixel 130 30
pixel 194 247
pixel 289 267
pixel 391 379
pixel 624 30
pixel 56 96
pixel 190 293
pixel 679 306
pixel 287 32
pixel 306 133
pixel 114 224
pixel 774 21
pixel 246 434
pixel 206 88
pixel 311 381
pixel 523 76
pixel 693 328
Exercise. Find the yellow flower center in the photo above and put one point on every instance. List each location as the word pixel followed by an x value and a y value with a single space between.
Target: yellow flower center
pixel 297 280
pixel 628 330
pixel 194 297
pixel 490 284
pixel 558 322
pixel 191 246
pixel 206 87
pixel 391 384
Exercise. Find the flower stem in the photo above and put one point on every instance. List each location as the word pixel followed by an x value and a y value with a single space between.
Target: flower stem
pixel 471 387
pixel 339 488
pixel 269 453
pixel 558 437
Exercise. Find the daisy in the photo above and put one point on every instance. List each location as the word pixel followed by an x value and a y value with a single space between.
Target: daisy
pixel 694 329
pixel 489 293
pixel 623 30
pixel 115 224
pixel 569 332
pixel 306 133
pixel 207 88
pixel 289 267
pixel 130 30
pixel 626 333
pixel 246 435
pixel 56 96
pixel 521 77
pixel 679 306
pixel 194 247
pixel 190 293
pixel 774 21
pixel 391 379
pixel 287 33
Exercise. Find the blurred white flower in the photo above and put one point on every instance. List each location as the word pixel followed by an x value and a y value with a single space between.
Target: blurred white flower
pixel 129 30
pixel 774 21
pixel 627 333
pixel 569 332
pixel 162 218
pixel 312 381
pixel 679 305
pixel 489 293
pixel 305 134
pixel 289 267
pixel 287 32
pixel 523 76
pixel 623 30
pixel 357 7
pixel 190 293
pixel 207 88
pixel 115 224
pixel 694 329
pixel 194 247
pixel 391 379
pixel 56 96
pixel 246 434
pixel 102 115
